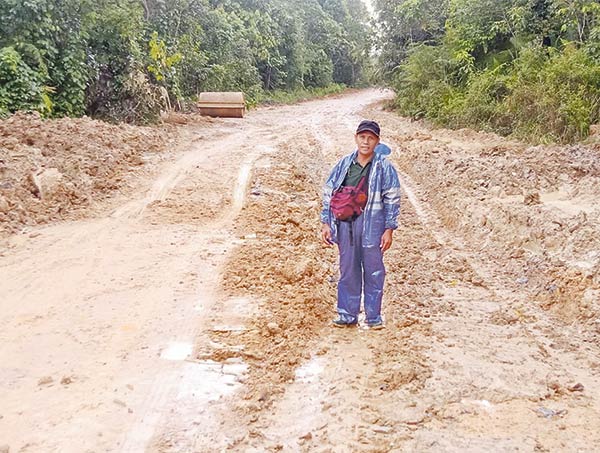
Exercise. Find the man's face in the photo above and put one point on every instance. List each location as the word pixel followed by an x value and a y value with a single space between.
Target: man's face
pixel 366 143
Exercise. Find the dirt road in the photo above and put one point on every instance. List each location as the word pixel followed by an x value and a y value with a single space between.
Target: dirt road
pixel 193 314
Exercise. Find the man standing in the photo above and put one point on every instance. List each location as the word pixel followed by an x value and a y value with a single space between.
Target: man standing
pixel 366 234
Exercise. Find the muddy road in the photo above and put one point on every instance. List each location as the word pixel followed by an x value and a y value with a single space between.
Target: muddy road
pixel 191 312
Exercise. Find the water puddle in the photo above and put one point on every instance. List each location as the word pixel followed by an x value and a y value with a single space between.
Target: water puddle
pixel 187 389
pixel 240 188
pixel 224 328
pixel 482 404
pixel 177 351
pixel 208 380
pixel 310 371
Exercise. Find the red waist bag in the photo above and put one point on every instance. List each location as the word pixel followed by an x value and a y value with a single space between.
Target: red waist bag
pixel 348 202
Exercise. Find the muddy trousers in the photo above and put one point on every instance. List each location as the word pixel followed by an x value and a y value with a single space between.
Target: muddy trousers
pixel 361 268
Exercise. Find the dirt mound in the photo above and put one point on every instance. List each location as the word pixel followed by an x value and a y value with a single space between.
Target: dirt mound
pixel 532 208
pixel 51 169
pixel 281 264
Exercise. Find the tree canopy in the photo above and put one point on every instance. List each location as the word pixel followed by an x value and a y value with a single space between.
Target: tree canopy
pixel 127 59
pixel 529 68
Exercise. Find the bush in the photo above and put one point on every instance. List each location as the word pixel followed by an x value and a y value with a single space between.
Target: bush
pixel 481 102
pixel 422 83
pixel 127 60
pixel 555 96
pixel 21 88
pixel 542 96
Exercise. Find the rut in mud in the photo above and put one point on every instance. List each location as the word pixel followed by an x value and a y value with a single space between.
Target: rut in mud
pixel 194 313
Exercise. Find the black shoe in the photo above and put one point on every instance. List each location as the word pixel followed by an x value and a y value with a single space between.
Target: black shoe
pixel 339 322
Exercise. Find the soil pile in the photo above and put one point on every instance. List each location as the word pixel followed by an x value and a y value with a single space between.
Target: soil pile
pixel 532 209
pixel 280 264
pixel 51 169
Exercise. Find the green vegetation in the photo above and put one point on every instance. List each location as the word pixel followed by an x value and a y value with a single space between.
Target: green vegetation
pixel 525 68
pixel 130 59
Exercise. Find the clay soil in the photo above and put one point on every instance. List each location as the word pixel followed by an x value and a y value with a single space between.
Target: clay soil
pixel 164 289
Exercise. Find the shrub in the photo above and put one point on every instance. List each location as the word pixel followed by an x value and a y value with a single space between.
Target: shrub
pixel 422 82
pixel 481 103
pixel 544 95
pixel 21 87
pixel 554 96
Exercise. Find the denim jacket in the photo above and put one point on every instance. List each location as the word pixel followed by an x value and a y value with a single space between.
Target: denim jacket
pixel 383 203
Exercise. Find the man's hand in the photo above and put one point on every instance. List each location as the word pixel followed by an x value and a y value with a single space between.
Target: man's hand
pixel 386 240
pixel 326 234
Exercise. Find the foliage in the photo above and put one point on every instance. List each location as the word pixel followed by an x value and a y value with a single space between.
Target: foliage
pixel 561 101
pixel 47 37
pixel 127 60
pixel 402 24
pixel 119 86
pixel 163 66
pixel 424 81
pixel 20 86
pixel 527 68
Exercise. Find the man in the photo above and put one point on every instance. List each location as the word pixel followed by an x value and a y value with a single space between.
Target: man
pixel 365 236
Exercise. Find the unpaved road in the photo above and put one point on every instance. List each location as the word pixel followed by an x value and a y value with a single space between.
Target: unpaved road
pixel 193 314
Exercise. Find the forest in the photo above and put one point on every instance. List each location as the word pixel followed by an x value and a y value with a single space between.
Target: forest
pixel 128 59
pixel 522 68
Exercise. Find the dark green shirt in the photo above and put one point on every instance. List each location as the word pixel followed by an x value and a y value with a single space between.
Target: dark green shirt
pixel 355 172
